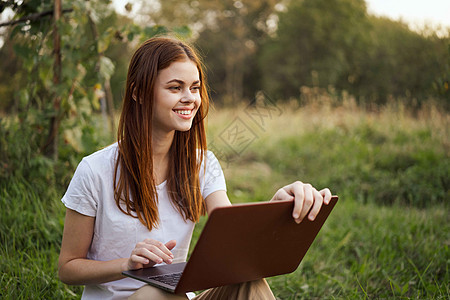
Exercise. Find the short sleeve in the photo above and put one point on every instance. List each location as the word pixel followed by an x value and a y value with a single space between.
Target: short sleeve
pixel 212 178
pixel 80 195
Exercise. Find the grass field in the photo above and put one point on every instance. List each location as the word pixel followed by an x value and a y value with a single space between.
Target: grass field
pixel 387 238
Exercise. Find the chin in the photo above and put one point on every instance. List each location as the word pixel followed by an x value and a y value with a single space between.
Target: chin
pixel 185 128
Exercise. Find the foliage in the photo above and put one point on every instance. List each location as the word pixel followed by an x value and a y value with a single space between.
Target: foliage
pixel 373 252
pixel 391 170
pixel 399 63
pixel 275 46
pixel 390 166
pixel 366 249
pixel 69 103
pixel 281 46
pixel 336 44
pixel 382 157
pixel 316 44
pixel 30 234
pixel 228 34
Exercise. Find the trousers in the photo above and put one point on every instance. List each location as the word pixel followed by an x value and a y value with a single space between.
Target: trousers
pixel 252 290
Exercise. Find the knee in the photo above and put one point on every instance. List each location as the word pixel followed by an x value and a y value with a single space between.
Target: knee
pixel 149 292
pixel 259 289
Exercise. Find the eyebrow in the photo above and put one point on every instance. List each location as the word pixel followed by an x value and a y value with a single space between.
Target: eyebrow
pixel 181 81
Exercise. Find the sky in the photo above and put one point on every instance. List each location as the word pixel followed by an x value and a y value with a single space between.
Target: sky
pixel 414 12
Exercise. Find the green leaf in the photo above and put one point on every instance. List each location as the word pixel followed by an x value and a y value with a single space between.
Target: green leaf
pixel 105 39
pixel 106 67
pixel 24 98
pixel 405 288
pixel 183 31
pixel 150 31
pixel 22 50
pixel 102 45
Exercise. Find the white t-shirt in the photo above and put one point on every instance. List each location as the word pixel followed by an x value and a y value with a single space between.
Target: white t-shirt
pixel 91 193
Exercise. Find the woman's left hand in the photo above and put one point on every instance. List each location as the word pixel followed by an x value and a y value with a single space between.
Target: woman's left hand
pixel 306 199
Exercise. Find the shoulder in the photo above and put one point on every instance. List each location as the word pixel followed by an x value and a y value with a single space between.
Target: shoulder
pixel 211 175
pixel 210 155
pixel 105 153
pixel 101 160
pixel 209 159
pixel 211 166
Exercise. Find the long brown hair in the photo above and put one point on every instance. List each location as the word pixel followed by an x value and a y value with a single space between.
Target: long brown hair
pixel 134 181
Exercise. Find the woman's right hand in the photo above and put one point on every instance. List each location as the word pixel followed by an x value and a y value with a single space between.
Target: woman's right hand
pixel 149 253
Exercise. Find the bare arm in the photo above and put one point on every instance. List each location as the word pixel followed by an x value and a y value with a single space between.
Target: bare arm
pixel 216 199
pixel 74 267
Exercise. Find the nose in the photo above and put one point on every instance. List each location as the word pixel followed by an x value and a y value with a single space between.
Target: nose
pixel 188 96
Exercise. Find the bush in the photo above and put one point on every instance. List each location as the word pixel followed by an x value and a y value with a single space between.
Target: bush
pixel 385 157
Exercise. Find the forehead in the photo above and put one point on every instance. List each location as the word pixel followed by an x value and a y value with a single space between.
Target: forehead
pixel 185 70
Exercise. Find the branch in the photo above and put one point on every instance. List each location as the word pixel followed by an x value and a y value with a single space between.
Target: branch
pixel 34 17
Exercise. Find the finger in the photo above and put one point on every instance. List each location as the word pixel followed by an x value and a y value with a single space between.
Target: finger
pixel 153 254
pixel 171 244
pixel 138 261
pixel 297 189
pixel 161 246
pixel 307 201
pixel 282 194
pixel 318 200
pixel 326 194
pixel 167 258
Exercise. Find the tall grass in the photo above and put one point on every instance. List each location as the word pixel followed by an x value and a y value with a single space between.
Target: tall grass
pixel 385 156
pixel 368 251
pixel 30 235
pixel 387 238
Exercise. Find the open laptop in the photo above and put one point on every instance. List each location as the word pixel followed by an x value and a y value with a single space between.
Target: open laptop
pixel 240 243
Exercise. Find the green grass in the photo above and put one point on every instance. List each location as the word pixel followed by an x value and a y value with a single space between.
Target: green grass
pixel 382 157
pixel 387 238
pixel 30 231
pixel 375 252
pixel 365 250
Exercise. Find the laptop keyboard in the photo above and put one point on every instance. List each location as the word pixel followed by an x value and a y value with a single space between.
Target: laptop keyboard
pixel 169 279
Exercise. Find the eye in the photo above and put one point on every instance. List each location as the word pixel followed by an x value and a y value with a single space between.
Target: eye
pixel 195 88
pixel 175 88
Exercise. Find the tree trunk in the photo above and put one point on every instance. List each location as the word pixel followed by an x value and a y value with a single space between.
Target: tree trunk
pixel 51 145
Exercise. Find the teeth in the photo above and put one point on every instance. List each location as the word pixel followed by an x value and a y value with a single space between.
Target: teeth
pixel 183 112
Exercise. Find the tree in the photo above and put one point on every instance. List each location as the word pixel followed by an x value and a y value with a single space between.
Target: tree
pixel 60 87
pixel 318 43
pixel 321 43
pixel 401 63
pixel 229 34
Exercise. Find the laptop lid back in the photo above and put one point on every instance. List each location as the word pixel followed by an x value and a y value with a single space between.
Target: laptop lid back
pixel 246 242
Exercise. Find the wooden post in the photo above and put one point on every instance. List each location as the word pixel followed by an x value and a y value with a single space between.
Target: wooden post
pixel 51 145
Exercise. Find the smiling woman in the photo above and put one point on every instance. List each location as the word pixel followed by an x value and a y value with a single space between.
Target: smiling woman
pixel 177 97
pixel 164 76
pixel 134 204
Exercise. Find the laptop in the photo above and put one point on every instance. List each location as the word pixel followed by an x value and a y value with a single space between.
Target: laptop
pixel 239 243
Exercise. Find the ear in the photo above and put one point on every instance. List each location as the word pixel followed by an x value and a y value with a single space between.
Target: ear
pixel 133 94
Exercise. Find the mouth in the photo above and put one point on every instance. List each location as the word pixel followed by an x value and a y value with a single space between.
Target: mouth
pixel 184 113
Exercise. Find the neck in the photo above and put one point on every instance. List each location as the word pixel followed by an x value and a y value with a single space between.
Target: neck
pixel 161 143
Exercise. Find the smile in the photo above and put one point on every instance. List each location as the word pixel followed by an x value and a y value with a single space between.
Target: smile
pixel 184 113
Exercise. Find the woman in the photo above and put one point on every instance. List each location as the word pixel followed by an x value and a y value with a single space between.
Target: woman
pixel 134 204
